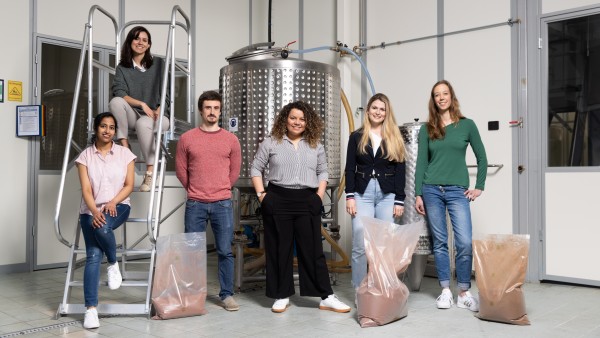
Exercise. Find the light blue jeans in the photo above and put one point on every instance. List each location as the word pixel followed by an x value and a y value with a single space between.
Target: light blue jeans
pixel 220 214
pixel 99 242
pixel 372 203
pixel 437 199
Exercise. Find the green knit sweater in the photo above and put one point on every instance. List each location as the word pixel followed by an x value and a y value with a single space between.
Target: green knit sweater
pixel 442 162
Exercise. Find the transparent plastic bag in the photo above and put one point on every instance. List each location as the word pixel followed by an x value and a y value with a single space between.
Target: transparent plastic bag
pixel 179 288
pixel 500 268
pixel 382 298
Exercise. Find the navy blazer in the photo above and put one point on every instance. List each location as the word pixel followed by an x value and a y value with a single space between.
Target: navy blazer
pixel 360 167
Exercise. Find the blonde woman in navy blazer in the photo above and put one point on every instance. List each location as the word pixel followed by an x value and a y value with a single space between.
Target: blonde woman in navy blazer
pixel 375 175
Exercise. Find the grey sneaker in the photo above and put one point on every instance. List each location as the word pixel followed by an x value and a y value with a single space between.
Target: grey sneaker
pixel 468 301
pixel 230 304
pixel 146 182
pixel 90 321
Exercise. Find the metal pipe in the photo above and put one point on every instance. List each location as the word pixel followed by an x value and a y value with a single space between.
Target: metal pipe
pixel 382 45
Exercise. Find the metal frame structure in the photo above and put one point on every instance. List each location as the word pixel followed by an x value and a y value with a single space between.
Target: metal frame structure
pixel 153 219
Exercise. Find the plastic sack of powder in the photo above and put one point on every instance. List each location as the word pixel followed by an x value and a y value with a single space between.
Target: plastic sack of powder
pixel 381 297
pixel 180 276
pixel 500 268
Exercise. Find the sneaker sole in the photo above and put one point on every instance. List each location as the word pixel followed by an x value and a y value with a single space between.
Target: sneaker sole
pixel 466 307
pixel 232 308
pixel 280 310
pixel 333 309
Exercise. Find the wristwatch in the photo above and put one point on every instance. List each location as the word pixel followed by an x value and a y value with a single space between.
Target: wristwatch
pixel 258 194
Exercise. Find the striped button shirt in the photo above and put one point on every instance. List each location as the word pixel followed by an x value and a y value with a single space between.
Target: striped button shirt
pixel 289 167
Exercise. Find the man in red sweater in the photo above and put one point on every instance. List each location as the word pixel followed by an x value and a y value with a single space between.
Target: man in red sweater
pixel 208 163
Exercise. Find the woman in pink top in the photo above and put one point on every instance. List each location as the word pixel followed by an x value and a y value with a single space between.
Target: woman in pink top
pixel 106 173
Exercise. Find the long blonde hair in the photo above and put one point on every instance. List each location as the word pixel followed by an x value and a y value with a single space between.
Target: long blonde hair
pixel 392 144
pixel 435 125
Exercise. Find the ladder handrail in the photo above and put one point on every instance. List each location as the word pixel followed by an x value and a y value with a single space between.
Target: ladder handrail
pixel 87 40
pixel 153 224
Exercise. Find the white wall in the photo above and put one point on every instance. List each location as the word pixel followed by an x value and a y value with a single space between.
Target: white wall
pixel 478 64
pixel 14 65
pixel 51 19
pixel 549 6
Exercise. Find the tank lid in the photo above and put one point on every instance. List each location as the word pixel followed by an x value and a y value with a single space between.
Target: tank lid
pixel 257 51
pixel 414 124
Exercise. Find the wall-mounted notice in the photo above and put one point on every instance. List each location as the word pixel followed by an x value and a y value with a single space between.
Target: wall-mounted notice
pixel 30 121
pixel 15 91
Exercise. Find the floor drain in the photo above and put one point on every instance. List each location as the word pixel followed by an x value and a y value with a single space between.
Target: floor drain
pixel 39 329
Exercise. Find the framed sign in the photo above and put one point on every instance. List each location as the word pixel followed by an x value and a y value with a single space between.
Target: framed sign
pixel 30 121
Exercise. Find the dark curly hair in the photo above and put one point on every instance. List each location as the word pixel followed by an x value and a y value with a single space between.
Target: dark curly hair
pixel 314 124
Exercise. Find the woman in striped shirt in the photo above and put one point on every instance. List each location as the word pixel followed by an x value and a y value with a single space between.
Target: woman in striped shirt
pixel 291 210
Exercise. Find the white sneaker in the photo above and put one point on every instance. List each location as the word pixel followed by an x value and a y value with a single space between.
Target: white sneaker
pixel 114 276
pixel 468 301
pixel 332 303
pixel 90 321
pixel 146 182
pixel 445 300
pixel 280 305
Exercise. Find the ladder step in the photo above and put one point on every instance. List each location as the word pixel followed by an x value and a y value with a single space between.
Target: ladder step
pixel 126 283
pixel 135 275
pixel 125 252
pixel 106 309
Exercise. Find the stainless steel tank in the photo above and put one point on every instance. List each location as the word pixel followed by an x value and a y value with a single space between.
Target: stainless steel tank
pixel 257 83
pixel 416 270
pixel 410 134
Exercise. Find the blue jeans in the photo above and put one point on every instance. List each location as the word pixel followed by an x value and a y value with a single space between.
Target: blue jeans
pixel 220 214
pixel 372 203
pixel 99 242
pixel 437 199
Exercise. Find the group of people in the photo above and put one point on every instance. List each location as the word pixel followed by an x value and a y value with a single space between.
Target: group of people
pixel 375 179
pixel 208 162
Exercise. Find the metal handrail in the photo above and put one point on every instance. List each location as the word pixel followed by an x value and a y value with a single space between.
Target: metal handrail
pixel 499 166
pixel 87 40
pixel 170 63
pixel 170 60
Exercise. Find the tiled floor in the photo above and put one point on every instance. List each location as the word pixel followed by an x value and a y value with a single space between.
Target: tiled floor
pixel 28 303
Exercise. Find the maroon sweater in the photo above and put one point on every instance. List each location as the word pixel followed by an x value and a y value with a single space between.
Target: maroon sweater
pixel 208 164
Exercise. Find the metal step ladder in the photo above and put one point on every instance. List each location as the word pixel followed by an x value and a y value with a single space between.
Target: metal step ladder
pixel 127 250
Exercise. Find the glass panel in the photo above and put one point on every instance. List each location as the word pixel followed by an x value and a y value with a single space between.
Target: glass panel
pixel 58 76
pixel 574 92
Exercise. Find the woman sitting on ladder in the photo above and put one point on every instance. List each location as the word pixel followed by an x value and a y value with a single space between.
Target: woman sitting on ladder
pixel 137 92
pixel 106 173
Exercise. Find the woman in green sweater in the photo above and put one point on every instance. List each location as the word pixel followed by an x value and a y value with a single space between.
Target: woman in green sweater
pixel 442 183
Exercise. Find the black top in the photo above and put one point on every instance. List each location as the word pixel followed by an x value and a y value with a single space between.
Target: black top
pixel 360 168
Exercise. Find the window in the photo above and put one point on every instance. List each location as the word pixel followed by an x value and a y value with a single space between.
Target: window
pixel 574 92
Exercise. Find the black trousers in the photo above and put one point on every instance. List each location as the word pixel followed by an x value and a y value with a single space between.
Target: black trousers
pixel 294 215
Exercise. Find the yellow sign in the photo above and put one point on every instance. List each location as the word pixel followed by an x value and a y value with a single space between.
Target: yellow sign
pixel 15 91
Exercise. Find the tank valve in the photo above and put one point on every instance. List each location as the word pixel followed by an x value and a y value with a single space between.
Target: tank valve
pixel 285 53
